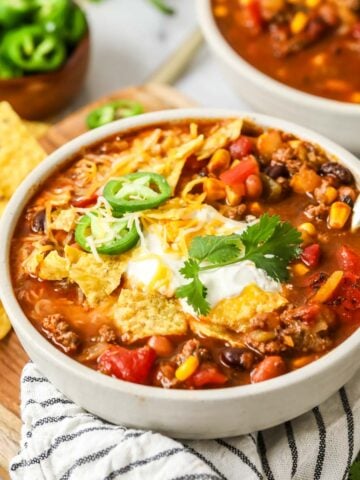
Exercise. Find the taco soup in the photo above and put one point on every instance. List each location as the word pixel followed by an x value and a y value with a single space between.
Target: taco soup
pixel 193 254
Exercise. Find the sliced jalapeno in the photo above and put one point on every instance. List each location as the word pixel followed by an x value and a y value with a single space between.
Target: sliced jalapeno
pixel 137 191
pixel 109 238
pixel 52 14
pixel 75 25
pixel 113 111
pixel 7 70
pixel 32 49
pixel 13 12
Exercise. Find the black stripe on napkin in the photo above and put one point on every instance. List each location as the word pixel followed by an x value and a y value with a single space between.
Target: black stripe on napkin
pixel 198 476
pixel 49 402
pixel 28 379
pixel 146 461
pixel 242 456
pixel 68 438
pixel 264 461
pixel 292 447
pixel 322 443
pixel 92 457
pixel 205 460
pixel 350 428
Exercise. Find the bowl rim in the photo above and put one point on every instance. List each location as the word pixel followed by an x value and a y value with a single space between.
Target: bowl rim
pixel 82 45
pixel 60 158
pixel 234 60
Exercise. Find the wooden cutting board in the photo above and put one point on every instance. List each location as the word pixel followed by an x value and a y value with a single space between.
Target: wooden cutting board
pixel 12 356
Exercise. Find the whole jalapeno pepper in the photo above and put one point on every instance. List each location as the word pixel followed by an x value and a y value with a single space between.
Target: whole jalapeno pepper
pixel 109 238
pixel 33 50
pixel 136 191
pixel 113 111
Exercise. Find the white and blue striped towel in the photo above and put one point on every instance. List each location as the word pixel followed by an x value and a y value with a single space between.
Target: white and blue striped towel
pixel 60 441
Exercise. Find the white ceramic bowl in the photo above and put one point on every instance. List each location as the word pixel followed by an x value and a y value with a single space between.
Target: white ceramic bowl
pixel 183 414
pixel 338 120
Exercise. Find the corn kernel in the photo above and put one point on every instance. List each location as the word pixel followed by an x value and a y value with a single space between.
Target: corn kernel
pixel 221 11
pixel 299 22
pixel 307 227
pixel 288 341
pixel 255 208
pixel 219 161
pixel 327 289
pixel 187 368
pixel 302 361
pixel 214 189
pixel 299 269
pixel 312 3
pixel 330 195
pixel 339 215
pixel 233 197
pixel 355 97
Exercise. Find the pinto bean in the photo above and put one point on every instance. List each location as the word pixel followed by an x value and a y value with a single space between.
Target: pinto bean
pixel 270 367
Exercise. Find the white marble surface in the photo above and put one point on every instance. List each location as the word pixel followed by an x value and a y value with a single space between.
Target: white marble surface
pixel 130 39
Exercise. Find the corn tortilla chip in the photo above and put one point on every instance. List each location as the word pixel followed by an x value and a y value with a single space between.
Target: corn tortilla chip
pixel 139 315
pixel 19 151
pixel 54 267
pixel 207 329
pixel 235 313
pixel 5 325
pixel 226 133
pixel 37 129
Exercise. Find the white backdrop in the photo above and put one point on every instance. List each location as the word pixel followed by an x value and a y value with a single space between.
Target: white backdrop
pixel 130 38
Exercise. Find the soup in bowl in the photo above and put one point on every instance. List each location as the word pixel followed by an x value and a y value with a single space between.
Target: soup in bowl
pixel 204 253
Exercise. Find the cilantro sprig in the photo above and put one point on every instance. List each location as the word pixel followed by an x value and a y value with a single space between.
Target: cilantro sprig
pixel 271 244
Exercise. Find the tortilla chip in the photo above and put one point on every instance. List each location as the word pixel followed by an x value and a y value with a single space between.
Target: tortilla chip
pixel 54 267
pixel 64 219
pixel 175 161
pixel 19 151
pixel 33 261
pixel 97 280
pixel 5 325
pixel 139 315
pixel 221 137
pixel 211 330
pixel 37 129
pixel 236 312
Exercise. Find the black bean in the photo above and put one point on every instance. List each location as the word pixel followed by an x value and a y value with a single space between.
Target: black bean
pixel 348 200
pixel 38 222
pixel 239 358
pixel 277 170
pixel 336 170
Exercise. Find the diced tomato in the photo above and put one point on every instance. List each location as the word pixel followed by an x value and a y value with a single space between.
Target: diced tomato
pixel 255 17
pixel 240 172
pixel 242 147
pixel 311 255
pixel 270 367
pixel 347 299
pixel 356 31
pixel 129 365
pixel 207 376
pixel 308 313
pixel 348 259
pixel 83 202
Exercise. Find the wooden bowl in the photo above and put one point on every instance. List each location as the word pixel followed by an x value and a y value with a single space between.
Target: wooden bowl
pixel 39 96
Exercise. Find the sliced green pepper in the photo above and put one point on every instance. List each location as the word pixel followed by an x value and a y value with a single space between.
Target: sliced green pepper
pixel 75 25
pixel 7 70
pixel 33 50
pixel 52 14
pixel 110 238
pixel 137 191
pixel 113 111
pixel 13 12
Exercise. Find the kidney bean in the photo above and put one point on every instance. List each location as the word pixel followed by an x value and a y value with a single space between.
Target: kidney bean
pixel 162 346
pixel 270 367
pixel 254 187
pixel 38 222
pixel 336 170
pixel 241 147
pixel 277 170
pixel 239 358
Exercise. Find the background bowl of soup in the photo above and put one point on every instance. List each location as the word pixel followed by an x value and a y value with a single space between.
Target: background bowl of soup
pixel 182 413
pixel 286 94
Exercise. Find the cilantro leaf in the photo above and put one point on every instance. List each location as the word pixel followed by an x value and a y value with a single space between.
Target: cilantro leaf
pixel 271 244
pixel 195 292
pixel 216 249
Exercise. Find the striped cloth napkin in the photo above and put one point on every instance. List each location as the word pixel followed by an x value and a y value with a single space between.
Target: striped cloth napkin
pixel 62 441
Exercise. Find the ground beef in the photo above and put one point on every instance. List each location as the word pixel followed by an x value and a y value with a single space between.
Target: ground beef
pixel 106 334
pixel 164 375
pixel 58 331
pixel 288 157
pixel 317 212
pixel 234 213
